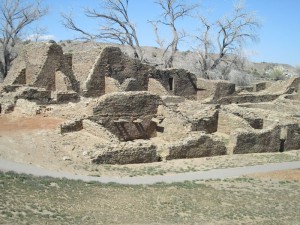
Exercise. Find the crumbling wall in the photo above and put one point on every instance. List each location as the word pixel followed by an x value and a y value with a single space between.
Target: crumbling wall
pixel 121 68
pixel 155 87
pixel 260 86
pixel 267 140
pixel 38 95
pixel 17 72
pixel 82 64
pixel 109 64
pixel 229 122
pixel 99 131
pixel 37 64
pixel 212 90
pixel 200 145
pixel 290 137
pixel 64 97
pixel 71 126
pixel 42 61
pixel 130 153
pixel 208 124
pixel 177 82
pixel 202 117
pixel 239 99
pixel 171 125
pixel 128 115
pixel 94 85
pixel 284 86
pixel 255 120
pixel 130 84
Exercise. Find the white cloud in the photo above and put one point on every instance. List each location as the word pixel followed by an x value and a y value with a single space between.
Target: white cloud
pixel 40 37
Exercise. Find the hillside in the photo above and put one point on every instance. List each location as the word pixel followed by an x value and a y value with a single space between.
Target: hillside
pixel 187 60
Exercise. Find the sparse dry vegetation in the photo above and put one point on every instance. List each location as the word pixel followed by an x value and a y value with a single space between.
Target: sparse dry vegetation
pixel 29 200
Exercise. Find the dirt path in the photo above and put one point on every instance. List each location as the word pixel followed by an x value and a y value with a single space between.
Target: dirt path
pixel 6 165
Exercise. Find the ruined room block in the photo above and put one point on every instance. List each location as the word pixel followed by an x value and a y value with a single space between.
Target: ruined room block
pixel 128 115
pixel 177 82
pixel 214 89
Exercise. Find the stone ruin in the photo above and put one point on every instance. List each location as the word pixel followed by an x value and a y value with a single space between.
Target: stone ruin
pixel 148 115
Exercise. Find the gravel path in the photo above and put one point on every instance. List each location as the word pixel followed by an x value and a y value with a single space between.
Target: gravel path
pixel 6 165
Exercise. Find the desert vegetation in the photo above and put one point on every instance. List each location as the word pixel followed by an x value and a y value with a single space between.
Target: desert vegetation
pixel 31 200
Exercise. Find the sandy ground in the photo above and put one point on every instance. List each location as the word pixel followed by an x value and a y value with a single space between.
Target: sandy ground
pixel 10 125
pixel 292 175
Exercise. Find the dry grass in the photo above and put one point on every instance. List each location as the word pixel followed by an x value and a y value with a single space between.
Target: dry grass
pixel 30 200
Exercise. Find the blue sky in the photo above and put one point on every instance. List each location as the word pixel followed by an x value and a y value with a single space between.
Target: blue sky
pixel 279 35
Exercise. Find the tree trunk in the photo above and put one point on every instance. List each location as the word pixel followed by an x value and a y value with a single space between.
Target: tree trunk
pixel 169 61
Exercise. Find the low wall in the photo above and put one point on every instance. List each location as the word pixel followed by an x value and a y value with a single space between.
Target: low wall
pixel 239 99
pixel 127 154
pixel 194 147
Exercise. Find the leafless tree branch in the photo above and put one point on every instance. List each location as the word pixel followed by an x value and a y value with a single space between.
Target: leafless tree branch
pixel 232 33
pixel 172 10
pixel 118 28
pixel 15 16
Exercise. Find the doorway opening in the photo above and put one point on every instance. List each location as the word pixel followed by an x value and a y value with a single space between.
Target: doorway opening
pixel 171 83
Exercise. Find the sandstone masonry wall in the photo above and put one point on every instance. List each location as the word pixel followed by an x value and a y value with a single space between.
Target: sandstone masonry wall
pixel 177 82
pixel 128 115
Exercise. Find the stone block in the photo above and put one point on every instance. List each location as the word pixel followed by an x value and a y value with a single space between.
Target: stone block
pixel 71 126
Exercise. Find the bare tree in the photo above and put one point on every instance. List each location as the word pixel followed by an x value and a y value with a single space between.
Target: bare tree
pixel 118 26
pixel 231 33
pixel 15 16
pixel 39 34
pixel 172 10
